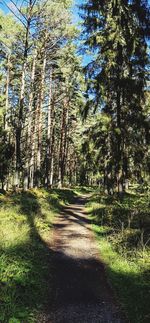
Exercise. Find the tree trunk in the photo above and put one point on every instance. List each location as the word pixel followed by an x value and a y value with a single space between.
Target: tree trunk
pixel 62 151
pixel 29 156
pixel 49 158
pixel 119 168
pixel 7 93
pixel 39 121
pixel 21 103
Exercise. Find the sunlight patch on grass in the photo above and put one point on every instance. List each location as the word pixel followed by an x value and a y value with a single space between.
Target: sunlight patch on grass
pixel 121 226
pixel 26 220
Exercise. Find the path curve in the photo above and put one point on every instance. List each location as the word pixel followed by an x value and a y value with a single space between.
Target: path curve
pixel 81 293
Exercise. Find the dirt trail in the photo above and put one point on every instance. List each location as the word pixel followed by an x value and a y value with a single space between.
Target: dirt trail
pixel 80 290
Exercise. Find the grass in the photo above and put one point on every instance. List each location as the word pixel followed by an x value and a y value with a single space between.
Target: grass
pixel 122 227
pixel 83 189
pixel 25 259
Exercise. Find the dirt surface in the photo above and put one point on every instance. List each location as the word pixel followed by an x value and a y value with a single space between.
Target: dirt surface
pixel 80 290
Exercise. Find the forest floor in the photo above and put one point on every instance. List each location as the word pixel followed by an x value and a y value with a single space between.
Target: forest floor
pixel 59 249
pixel 80 291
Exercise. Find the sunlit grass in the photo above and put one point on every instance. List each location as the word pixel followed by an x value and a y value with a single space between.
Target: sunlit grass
pixel 26 220
pixel 126 257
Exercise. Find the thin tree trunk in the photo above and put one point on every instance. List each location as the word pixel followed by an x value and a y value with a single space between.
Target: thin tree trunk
pixel 29 156
pixel 119 168
pixel 51 173
pixel 64 121
pixel 39 122
pixel 49 135
pixel 7 93
pixel 21 104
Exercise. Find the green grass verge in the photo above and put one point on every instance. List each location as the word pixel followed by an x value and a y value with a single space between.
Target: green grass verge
pixel 25 259
pixel 122 227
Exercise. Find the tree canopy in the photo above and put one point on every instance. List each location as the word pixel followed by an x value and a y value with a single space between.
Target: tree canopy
pixel 65 124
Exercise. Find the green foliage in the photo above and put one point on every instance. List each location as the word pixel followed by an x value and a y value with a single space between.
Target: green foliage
pixel 115 32
pixel 9 31
pixel 122 227
pixel 41 65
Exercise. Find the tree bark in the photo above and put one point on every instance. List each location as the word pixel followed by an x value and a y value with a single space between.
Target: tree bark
pixel 62 151
pixel 21 103
pixel 7 93
pixel 29 164
pixel 119 168
pixel 39 121
pixel 49 157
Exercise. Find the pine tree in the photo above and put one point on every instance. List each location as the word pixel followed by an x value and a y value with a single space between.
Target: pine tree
pixel 43 96
pixel 116 31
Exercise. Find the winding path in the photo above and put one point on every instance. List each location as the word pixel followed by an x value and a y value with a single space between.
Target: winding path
pixel 80 291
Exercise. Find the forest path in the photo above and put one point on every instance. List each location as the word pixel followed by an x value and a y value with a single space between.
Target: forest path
pixel 80 290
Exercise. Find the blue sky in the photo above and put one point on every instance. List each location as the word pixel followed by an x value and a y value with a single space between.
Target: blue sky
pixel 75 10
pixel 76 18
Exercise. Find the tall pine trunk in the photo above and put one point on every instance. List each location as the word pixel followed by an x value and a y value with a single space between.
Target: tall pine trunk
pixel 62 150
pixel 49 160
pixel 119 141
pixel 29 163
pixel 21 103
pixel 7 93
pixel 39 123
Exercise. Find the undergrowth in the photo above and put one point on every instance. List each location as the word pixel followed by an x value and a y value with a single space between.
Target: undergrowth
pixel 122 227
pixel 25 258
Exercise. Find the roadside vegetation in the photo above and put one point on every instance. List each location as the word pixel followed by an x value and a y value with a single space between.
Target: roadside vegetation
pixel 121 224
pixel 25 258
pixel 122 227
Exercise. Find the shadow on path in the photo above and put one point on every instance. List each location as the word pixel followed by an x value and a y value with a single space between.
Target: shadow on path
pixel 80 290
